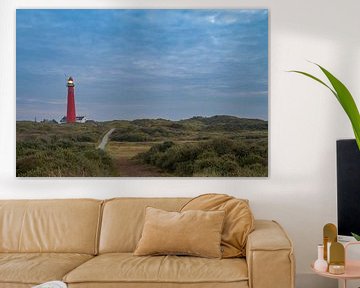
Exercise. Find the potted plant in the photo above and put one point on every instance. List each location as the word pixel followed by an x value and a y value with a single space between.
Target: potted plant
pixel 345 99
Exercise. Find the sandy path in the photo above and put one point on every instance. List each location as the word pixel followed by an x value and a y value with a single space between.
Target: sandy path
pixel 130 168
pixel 123 154
pixel 105 139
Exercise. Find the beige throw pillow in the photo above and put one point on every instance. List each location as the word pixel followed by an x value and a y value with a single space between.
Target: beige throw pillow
pixel 239 220
pixel 194 232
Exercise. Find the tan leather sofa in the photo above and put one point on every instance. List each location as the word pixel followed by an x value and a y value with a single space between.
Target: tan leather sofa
pixel 89 243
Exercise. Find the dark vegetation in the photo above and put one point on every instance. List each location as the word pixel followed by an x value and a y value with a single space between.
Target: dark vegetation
pixel 53 150
pixel 216 157
pixel 199 146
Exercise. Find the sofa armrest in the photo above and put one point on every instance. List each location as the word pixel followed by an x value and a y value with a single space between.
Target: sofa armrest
pixel 269 256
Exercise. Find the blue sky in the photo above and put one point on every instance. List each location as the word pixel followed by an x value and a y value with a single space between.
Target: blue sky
pixel 130 64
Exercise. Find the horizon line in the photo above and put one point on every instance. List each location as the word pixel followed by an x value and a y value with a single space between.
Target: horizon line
pixel 144 118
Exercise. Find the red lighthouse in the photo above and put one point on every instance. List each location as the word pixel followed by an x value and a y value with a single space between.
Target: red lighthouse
pixel 71 114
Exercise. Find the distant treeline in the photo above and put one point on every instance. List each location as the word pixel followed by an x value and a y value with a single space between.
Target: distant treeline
pixel 196 128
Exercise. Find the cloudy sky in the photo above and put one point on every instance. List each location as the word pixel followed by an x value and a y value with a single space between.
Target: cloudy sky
pixel 130 64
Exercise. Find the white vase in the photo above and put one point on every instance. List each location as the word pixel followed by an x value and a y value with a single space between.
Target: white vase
pixel 320 264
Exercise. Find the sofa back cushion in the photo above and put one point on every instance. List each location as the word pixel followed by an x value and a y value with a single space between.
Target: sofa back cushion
pixel 238 224
pixel 66 226
pixel 123 220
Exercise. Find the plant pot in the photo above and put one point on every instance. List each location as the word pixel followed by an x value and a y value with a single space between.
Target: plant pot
pixel 348 187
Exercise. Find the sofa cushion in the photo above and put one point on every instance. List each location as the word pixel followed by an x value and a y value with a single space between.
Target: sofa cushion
pixel 123 220
pixel 36 268
pixel 126 268
pixel 193 232
pixel 63 226
pixel 239 220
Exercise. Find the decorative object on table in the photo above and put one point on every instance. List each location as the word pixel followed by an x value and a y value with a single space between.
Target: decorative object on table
pixel 344 273
pixel 337 258
pixel 320 264
pixel 185 89
pixel 336 269
pixel 329 236
pixel 333 252
pixel 51 284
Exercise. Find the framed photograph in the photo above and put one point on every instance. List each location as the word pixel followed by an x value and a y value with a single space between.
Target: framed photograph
pixel 141 93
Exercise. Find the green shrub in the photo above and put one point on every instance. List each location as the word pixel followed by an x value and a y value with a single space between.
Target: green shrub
pixel 217 157
pixel 63 158
pixel 130 137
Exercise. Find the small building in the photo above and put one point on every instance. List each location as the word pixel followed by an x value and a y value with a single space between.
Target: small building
pixel 79 119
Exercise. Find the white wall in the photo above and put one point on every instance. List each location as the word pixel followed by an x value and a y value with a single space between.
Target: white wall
pixel 305 120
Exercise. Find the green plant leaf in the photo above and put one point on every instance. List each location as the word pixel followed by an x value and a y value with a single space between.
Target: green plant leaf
pixel 344 97
pixel 347 102
pixel 316 79
pixel 356 236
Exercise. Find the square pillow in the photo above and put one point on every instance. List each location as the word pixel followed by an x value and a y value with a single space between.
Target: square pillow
pixel 193 232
